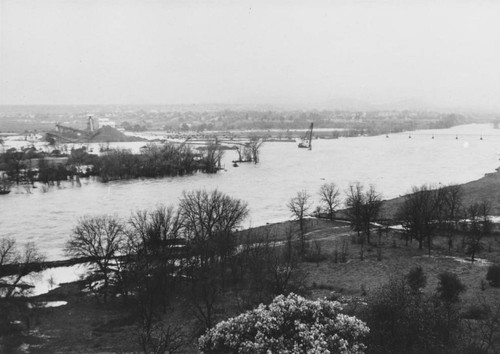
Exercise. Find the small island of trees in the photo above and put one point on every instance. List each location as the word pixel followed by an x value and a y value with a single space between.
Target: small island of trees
pixel 26 166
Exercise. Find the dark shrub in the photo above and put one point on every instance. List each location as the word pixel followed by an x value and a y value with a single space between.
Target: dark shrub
pixel 449 287
pixel 493 275
pixel 402 321
pixel 476 312
pixel 416 279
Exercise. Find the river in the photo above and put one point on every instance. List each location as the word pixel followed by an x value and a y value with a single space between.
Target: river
pixel 392 164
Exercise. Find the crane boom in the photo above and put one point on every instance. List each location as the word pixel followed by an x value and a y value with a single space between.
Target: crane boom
pixel 307 140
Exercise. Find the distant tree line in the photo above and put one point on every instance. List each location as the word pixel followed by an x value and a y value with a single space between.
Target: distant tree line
pixel 351 123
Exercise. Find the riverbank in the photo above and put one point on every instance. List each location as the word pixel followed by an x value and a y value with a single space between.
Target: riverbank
pixel 49 214
pixel 486 188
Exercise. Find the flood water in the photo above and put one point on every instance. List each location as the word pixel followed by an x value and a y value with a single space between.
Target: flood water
pixel 392 164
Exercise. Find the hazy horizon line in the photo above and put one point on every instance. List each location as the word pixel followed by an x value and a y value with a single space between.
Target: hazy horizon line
pixel 368 107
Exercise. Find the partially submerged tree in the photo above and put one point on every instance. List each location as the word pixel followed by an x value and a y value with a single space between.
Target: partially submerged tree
pixel 330 197
pixel 255 145
pixel 8 253
pixel 100 238
pixel 15 164
pixel 15 266
pixel 15 263
pixel 212 157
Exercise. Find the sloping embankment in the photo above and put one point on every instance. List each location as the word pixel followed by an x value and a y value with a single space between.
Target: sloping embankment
pixel 486 188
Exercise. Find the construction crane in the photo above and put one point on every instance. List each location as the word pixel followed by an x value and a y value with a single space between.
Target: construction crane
pixel 184 143
pixel 307 139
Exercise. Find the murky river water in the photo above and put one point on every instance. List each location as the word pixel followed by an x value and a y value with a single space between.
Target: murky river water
pixel 392 164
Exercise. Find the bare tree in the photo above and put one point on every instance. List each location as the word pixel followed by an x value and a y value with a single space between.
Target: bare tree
pixel 15 164
pixel 452 212
pixel 255 145
pixel 16 263
pixel 205 291
pixel 362 208
pixel 270 266
pixel 244 153
pixel 330 196
pixel 207 214
pixel 212 157
pixel 100 239
pixel 156 228
pixel 453 199
pixel 418 214
pixel 210 219
pixel 478 226
pixel 153 245
pixel 354 206
pixel 371 208
pixel 152 262
pixel 8 252
pixel 157 338
pixel 299 206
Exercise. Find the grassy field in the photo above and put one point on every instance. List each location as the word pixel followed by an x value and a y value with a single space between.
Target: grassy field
pixel 393 258
pixel 86 326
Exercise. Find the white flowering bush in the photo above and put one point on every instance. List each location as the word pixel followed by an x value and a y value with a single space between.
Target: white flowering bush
pixel 290 324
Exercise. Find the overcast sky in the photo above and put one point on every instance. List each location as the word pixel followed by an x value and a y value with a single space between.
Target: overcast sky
pixel 446 53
